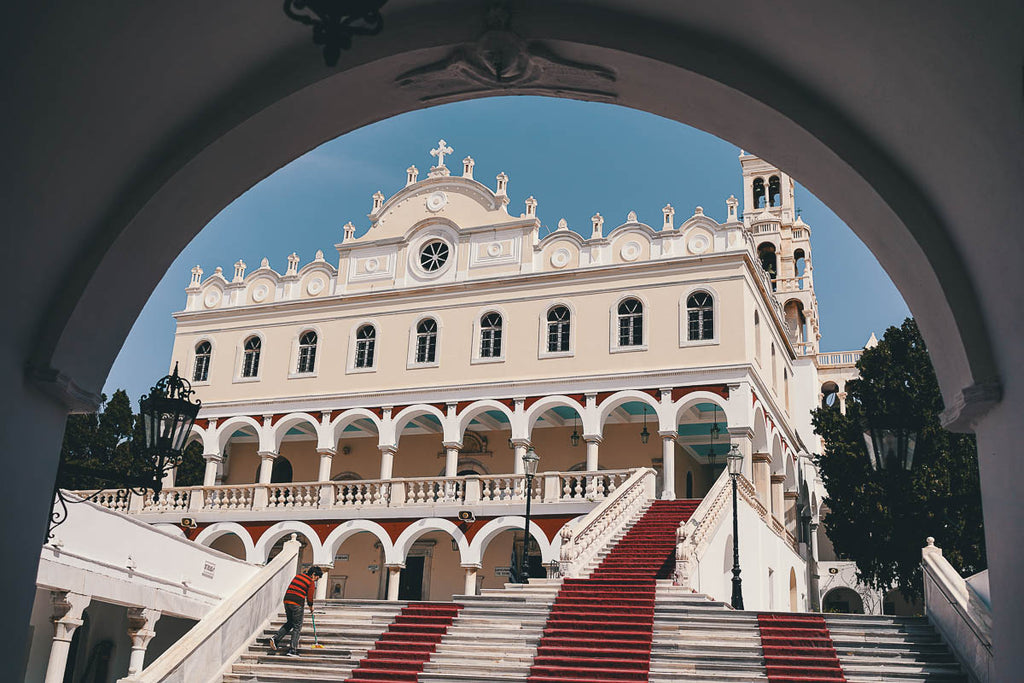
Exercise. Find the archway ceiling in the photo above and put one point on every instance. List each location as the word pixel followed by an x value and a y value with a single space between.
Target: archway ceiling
pixel 119 149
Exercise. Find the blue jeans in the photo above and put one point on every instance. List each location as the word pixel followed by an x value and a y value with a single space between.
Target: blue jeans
pixel 293 622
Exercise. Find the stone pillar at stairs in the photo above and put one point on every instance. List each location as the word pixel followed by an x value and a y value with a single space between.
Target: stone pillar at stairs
pixel 141 629
pixel 761 476
pixel 67 616
pixel 470 586
pixel 394 574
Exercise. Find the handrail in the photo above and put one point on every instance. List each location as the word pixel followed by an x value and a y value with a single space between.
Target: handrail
pixel 214 643
pixel 601 523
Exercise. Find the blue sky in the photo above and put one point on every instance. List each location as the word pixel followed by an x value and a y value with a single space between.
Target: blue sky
pixel 576 158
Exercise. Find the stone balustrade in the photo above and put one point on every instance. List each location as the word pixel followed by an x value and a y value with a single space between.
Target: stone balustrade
pixel 410 492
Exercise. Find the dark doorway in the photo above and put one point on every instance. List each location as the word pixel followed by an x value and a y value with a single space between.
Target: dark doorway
pixel 410 582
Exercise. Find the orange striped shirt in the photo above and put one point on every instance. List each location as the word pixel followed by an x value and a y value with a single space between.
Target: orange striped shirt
pixel 300 590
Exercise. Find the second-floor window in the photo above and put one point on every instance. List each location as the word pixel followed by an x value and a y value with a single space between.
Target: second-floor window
pixel 490 336
pixel 366 342
pixel 558 329
pixel 201 371
pixel 251 357
pixel 307 352
pixel 631 323
pixel 700 317
pixel 426 341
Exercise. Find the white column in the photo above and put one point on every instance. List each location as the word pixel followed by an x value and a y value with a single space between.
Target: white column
pixel 668 465
pixel 777 482
pixel 761 477
pixel 394 574
pixel 593 447
pixel 470 586
pixel 67 616
pixel 213 461
pixel 519 446
pixel 321 583
pixel 266 466
pixel 451 460
pixel 141 629
pixel 326 460
pixel 387 461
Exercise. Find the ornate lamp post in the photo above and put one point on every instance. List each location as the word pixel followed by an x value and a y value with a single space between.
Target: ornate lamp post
pixel 645 435
pixel 167 413
pixel 889 447
pixel 735 461
pixel 530 460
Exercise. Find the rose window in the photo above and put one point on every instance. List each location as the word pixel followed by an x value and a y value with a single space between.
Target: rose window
pixel 433 256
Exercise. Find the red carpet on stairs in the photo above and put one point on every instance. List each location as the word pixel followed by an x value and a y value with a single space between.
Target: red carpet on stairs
pixel 798 649
pixel 600 628
pixel 402 650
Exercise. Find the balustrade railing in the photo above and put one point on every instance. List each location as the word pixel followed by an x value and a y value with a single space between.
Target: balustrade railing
pixel 838 358
pixel 487 489
pixel 583 540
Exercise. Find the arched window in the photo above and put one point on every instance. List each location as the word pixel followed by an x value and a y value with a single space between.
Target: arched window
pixel 251 357
pixel 307 352
pixel 366 342
pixel 490 336
pixel 558 329
pixel 426 341
pixel 201 371
pixel 800 261
pixel 774 191
pixel 766 254
pixel 757 336
pixel 700 316
pixel 759 193
pixel 631 323
pixel 830 395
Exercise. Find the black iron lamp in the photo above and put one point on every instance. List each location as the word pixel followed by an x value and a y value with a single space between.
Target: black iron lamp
pixel 889 447
pixel 716 431
pixel 574 438
pixel 735 463
pixel 645 435
pixel 167 413
pixel 530 462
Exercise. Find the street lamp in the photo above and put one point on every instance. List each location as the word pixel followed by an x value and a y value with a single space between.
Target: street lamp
pixel 167 413
pixel 645 435
pixel 735 462
pixel 574 438
pixel 530 460
pixel 889 447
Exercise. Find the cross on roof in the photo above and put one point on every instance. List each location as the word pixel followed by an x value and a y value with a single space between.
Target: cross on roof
pixel 442 149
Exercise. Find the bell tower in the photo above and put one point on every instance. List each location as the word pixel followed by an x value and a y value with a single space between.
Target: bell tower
pixel 782 243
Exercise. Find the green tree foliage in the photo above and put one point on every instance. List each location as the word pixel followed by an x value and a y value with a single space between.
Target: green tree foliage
pixel 881 518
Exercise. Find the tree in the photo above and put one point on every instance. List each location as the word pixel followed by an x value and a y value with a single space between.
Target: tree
pixel 881 518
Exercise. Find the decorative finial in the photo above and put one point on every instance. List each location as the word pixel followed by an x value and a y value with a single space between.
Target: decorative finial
pixel 502 184
pixel 668 212
pixel 730 204
pixel 531 206
pixel 319 255
pixel 197 276
pixel 265 263
pixel 698 211
pixel 411 174
pixel 378 201
pixel 293 264
pixel 349 230
pixel 930 541
pixel 239 270
pixel 467 167
pixel 563 224
pixel 598 221
pixel 631 217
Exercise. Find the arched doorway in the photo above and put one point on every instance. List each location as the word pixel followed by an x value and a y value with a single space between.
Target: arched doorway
pixel 842 601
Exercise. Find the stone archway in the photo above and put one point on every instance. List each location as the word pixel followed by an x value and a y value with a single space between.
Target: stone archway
pixel 128 200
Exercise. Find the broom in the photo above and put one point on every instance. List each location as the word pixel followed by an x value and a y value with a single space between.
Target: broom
pixel 316 640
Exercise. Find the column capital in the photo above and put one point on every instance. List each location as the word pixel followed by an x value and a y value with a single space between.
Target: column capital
pixel 668 433
pixel 778 479
pixel 267 455
pixel 524 443
pixel 791 495
pixel 457 445
pixel 327 451
pixel 593 438
pixel 394 565
pixel 471 565
pixel 67 612
pixel 741 432
pixel 388 448
pixel 213 457
pixel 761 457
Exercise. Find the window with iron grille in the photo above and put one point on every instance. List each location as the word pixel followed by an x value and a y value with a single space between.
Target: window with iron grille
pixel 426 341
pixel 307 352
pixel 366 342
pixel 558 329
pixel 251 357
pixel 700 315
pixel 490 336
pixel 201 371
pixel 631 323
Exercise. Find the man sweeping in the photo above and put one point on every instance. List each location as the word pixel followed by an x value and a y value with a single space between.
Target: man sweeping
pixel 300 592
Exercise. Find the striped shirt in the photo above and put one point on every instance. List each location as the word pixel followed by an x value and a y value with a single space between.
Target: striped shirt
pixel 300 590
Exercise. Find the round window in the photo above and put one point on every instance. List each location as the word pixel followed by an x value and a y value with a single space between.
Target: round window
pixel 433 255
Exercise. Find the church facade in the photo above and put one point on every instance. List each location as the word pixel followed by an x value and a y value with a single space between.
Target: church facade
pixel 365 401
